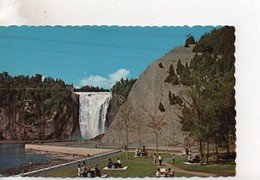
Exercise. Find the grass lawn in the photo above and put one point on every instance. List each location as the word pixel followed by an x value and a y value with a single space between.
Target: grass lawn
pixel 143 167
pixel 220 168
pixel 137 167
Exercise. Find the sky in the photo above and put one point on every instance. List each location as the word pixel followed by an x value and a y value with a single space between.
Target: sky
pixel 88 55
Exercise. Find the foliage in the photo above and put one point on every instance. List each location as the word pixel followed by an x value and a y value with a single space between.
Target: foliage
pixel 155 123
pixel 218 41
pixel 190 40
pixel 91 89
pixel 211 116
pixel 174 99
pixel 172 77
pixel 185 77
pixel 33 99
pixel 180 67
pixel 160 65
pixel 161 107
pixel 123 87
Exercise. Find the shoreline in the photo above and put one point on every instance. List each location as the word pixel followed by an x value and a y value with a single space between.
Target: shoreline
pixel 59 155
pixel 55 160
pixel 35 141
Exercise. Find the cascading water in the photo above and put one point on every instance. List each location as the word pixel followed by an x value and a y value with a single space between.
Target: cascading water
pixel 92 113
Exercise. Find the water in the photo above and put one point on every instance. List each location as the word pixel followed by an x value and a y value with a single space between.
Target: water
pixel 13 155
pixel 93 110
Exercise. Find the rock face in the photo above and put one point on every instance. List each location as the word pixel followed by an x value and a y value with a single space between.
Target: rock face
pixel 58 124
pixel 147 93
pixel 114 105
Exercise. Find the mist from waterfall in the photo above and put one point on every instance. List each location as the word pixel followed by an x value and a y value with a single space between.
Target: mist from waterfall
pixel 92 113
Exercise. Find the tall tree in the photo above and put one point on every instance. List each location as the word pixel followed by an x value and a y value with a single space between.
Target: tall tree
pixel 180 67
pixel 172 77
pixel 126 114
pixel 155 123
pixel 212 113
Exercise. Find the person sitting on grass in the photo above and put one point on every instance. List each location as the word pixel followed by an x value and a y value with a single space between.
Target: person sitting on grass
pixel 79 170
pixel 97 171
pixel 83 169
pixel 136 152
pixel 145 152
pixel 169 173
pixel 158 173
pixel 118 163
pixel 109 163
pixel 190 159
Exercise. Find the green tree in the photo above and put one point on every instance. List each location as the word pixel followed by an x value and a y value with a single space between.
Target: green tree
pixel 185 76
pixel 190 40
pixel 155 124
pixel 161 107
pixel 211 116
pixel 172 77
pixel 123 87
pixel 180 67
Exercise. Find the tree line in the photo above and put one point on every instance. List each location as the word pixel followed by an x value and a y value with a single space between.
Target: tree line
pixel 210 118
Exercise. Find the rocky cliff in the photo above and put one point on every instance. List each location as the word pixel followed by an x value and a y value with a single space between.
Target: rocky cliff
pixel 149 102
pixel 37 110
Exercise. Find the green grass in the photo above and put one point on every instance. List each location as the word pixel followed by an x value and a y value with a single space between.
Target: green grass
pixel 137 167
pixel 143 167
pixel 64 172
pixel 227 168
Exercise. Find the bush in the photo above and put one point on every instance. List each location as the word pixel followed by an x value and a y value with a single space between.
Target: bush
pixel 161 107
pixel 190 40
pixel 160 65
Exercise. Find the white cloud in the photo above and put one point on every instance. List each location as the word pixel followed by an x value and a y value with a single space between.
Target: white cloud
pixel 96 80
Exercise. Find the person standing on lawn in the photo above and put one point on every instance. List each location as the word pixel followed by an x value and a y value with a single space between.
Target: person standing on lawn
pixel 160 159
pixel 173 158
pixel 154 159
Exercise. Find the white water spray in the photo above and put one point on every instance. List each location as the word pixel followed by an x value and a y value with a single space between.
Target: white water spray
pixel 92 113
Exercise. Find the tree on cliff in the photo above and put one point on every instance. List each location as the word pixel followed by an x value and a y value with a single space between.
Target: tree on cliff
pixel 123 87
pixel 172 77
pixel 29 102
pixel 190 40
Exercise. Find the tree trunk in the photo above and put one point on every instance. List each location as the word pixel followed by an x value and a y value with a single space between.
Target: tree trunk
pixel 207 152
pixel 139 137
pixel 228 148
pixel 201 153
pixel 156 136
pixel 127 143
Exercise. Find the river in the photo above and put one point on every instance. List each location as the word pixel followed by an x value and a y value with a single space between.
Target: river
pixel 13 155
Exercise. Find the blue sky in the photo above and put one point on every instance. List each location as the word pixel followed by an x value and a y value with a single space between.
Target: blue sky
pixel 93 55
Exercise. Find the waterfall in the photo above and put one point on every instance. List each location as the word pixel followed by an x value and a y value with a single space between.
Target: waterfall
pixel 92 113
